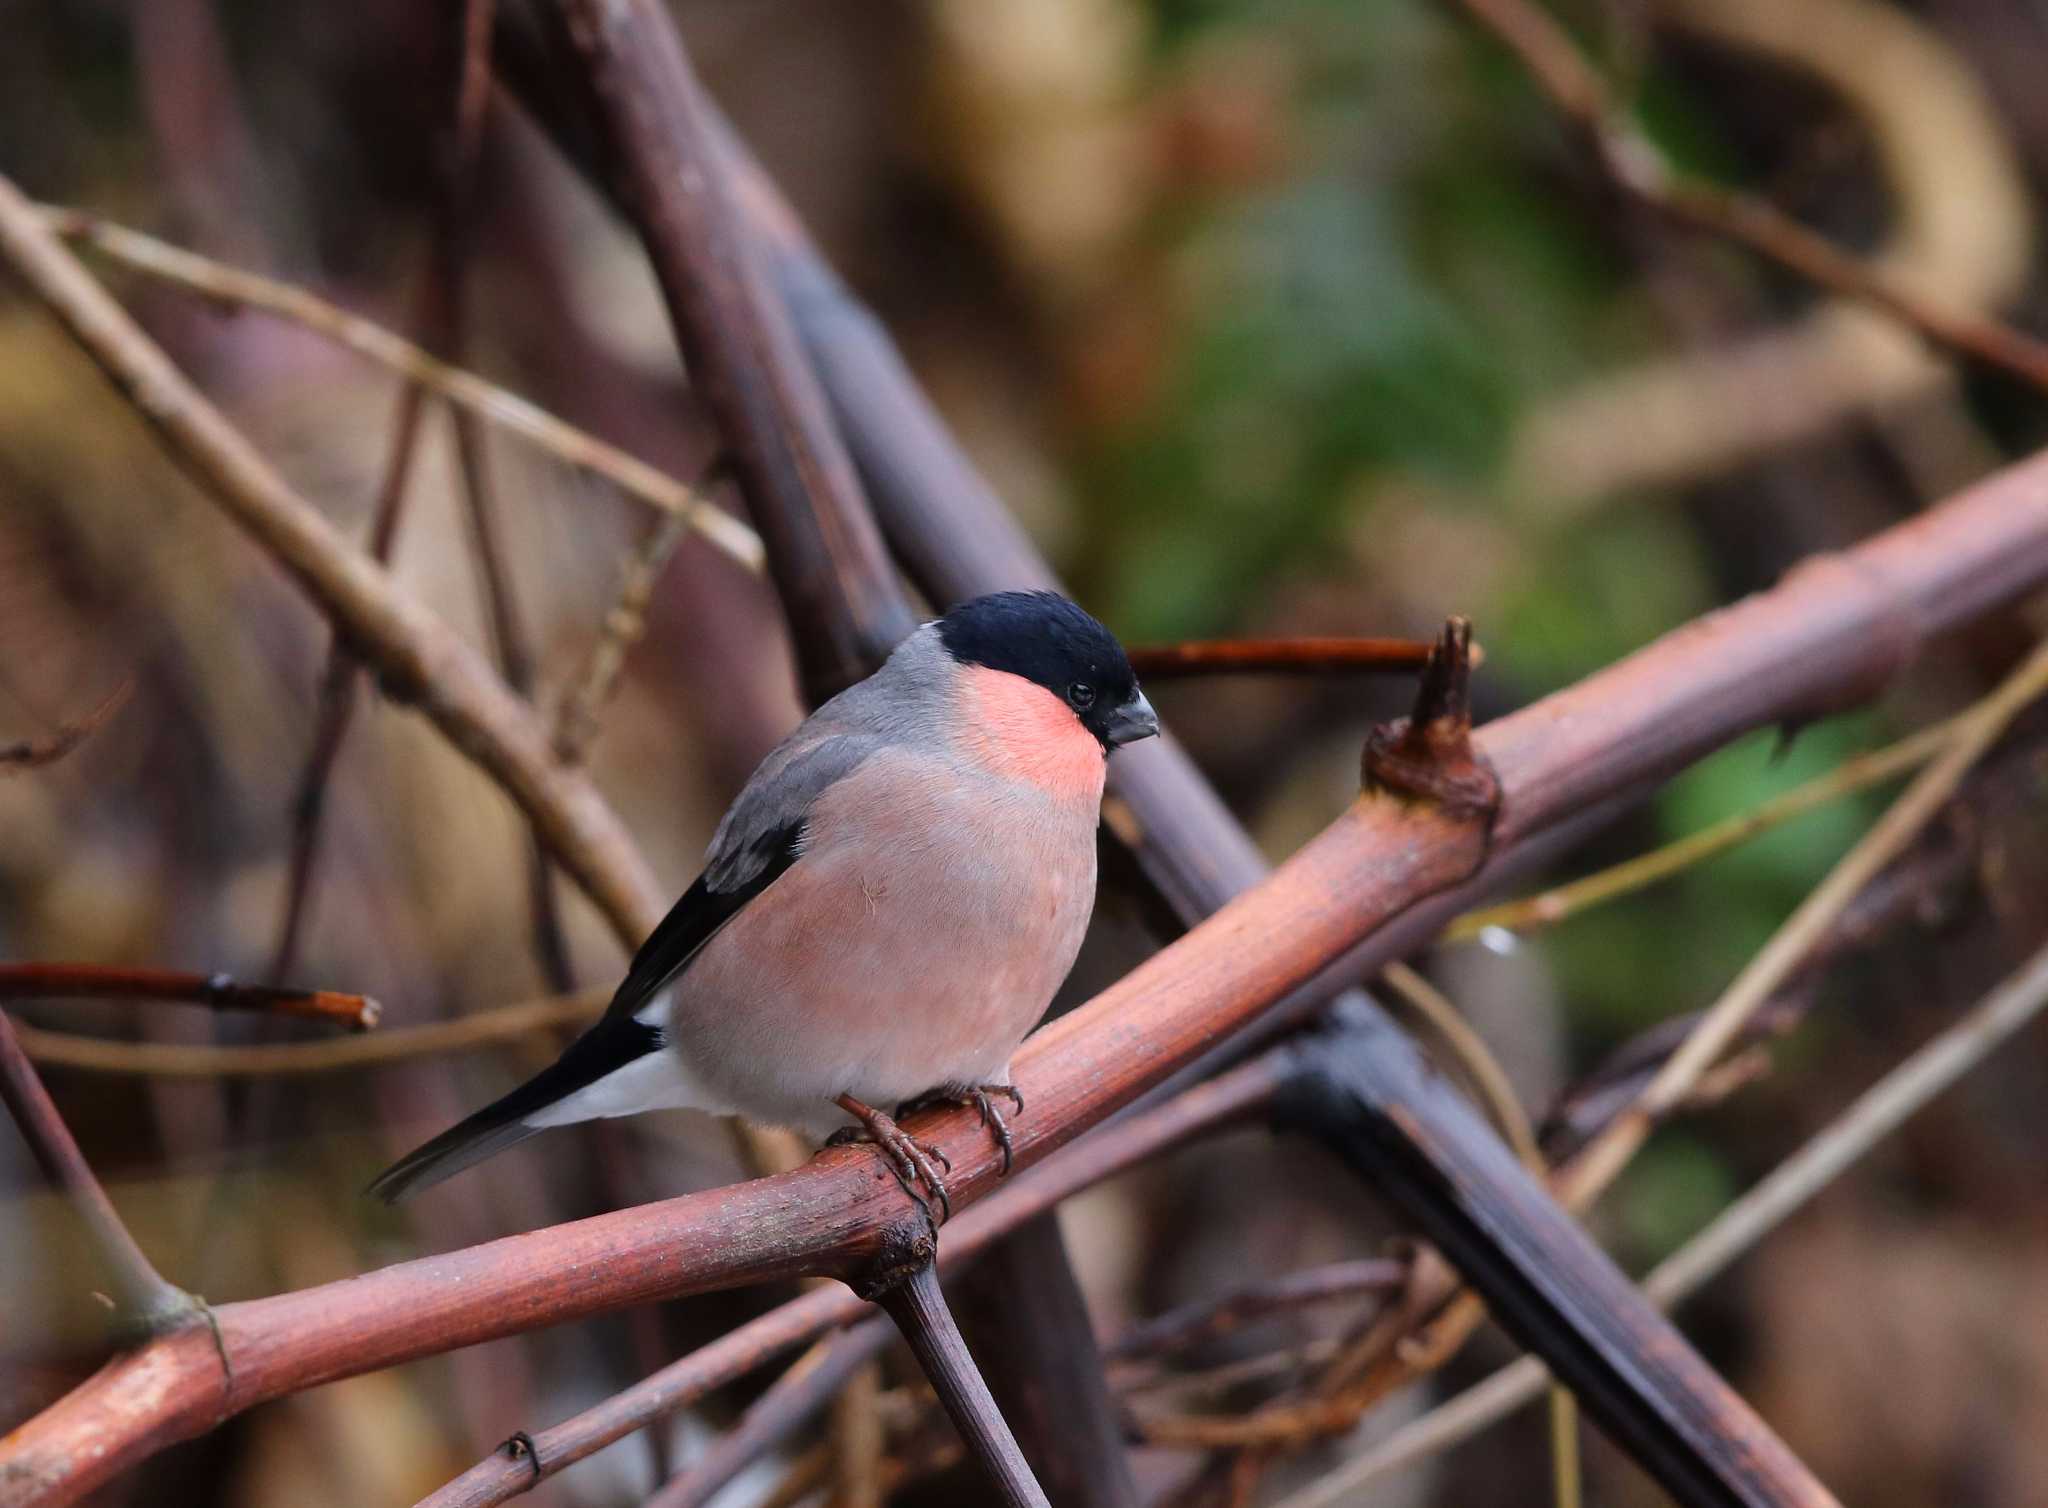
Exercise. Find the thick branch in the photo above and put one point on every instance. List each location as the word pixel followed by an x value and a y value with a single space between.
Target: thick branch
pixel 743 357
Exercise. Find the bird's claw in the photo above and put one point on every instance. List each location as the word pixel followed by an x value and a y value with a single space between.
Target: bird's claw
pixel 982 1097
pixel 911 1160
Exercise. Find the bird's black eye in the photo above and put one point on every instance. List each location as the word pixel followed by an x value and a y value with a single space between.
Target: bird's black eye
pixel 1081 696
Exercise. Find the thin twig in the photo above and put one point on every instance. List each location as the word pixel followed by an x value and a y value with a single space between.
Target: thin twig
pixel 33 753
pixel 1299 656
pixel 447 265
pixel 576 724
pixel 144 1301
pixel 1596 1166
pixel 1223 1315
pixel 418 656
pixel 1536 912
pixel 236 288
pixel 1875 1114
pixel 1635 165
pixel 90 981
pixel 1503 1105
pixel 196 1060
pixel 798 1395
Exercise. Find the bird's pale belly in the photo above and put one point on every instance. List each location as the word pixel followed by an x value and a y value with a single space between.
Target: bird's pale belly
pixel 886 972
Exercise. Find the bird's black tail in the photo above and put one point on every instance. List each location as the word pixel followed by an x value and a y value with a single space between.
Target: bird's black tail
pixel 616 1040
pixel 490 1131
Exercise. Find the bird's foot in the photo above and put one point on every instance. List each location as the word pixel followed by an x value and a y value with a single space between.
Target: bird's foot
pixel 914 1162
pixel 983 1098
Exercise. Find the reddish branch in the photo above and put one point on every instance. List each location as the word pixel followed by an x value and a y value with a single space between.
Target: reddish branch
pixel 88 981
pixel 1242 1091
pixel 1838 627
pixel 1288 656
pixel 32 753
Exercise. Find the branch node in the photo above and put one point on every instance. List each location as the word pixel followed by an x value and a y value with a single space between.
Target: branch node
pixel 519 1446
pixel 1429 755
pixel 903 1248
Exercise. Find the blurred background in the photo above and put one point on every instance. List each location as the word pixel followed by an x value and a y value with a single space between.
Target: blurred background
pixel 1268 318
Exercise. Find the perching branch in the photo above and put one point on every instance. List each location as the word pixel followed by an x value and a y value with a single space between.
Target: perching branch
pixel 88 981
pixel 1238 1093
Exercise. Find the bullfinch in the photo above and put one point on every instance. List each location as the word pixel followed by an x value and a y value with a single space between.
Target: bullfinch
pixel 884 912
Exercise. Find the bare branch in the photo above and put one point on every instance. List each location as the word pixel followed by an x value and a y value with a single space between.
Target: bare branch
pixel 417 656
pixel 920 1312
pixel 835 579
pixel 1241 1092
pixel 33 753
pixel 1634 164
pixel 1282 656
pixel 235 288
pixel 206 1060
pixel 144 1302
pixel 1876 1113
pixel 88 981
pixel 793 1398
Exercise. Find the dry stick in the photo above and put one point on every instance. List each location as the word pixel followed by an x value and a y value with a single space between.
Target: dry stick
pixel 1505 1107
pixel 91 981
pixel 234 288
pixel 1874 1115
pixel 1596 1166
pixel 418 657
pixel 1231 1096
pixel 33 753
pixel 341 685
pixel 1832 629
pixel 1207 1319
pixel 792 1399
pixel 1303 656
pixel 1633 162
pixel 1536 912
pixel 920 1312
pixel 178 1060
pixel 144 1302
pixel 509 639
pixel 576 722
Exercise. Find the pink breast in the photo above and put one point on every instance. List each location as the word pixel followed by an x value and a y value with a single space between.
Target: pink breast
pixel 1019 730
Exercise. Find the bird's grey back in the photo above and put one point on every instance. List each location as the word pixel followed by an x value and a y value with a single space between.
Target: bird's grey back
pixel 904 703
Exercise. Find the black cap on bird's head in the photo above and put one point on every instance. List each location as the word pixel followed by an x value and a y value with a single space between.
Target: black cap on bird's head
pixel 1046 639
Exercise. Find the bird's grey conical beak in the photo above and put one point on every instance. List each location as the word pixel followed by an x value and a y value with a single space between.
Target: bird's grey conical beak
pixel 1134 720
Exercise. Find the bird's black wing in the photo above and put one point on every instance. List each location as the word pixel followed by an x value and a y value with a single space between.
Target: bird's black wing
pixel 761 837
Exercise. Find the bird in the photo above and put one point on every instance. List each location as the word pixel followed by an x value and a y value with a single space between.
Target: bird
pixel 884 912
